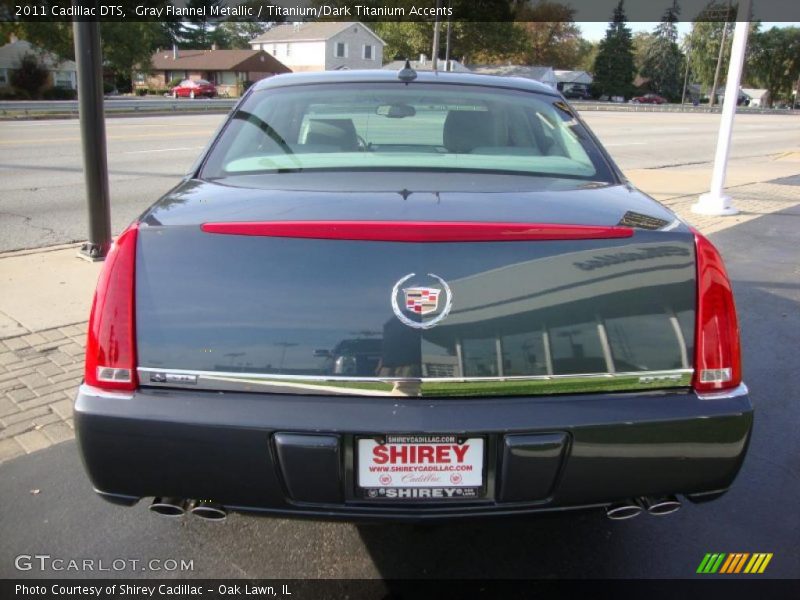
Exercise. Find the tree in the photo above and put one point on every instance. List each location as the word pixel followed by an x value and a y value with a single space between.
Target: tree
pixel 237 34
pixel 470 41
pixel 774 61
pixel 705 40
pixel 129 45
pixel 30 76
pixel 553 38
pixel 641 45
pixel 663 60
pixel 614 66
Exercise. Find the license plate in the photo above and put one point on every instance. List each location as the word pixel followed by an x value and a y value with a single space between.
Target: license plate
pixel 420 467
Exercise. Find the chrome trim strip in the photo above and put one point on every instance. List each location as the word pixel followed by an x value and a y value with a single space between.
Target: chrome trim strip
pixel 341 378
pixel 89 390
pixel 422 386
pixel 737 392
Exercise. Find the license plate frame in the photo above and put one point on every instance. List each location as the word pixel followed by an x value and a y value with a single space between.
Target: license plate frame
pixel 465 488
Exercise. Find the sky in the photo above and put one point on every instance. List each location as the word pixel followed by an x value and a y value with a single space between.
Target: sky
pixel 595 31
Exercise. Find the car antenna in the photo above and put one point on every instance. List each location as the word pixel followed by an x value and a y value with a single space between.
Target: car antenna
pixel 407 73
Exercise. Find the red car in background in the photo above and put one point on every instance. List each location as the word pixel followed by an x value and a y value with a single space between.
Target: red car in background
pixel 190 88
pixel 649 99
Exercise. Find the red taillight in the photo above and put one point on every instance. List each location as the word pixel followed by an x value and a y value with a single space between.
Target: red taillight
pixel 717 363
pixel 111 344
pixel 420 231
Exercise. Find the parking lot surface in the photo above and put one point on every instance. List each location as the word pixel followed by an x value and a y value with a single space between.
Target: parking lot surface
pixel 48 506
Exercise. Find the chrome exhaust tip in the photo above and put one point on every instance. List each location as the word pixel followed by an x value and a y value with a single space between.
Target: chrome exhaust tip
pixel 209 511
pixel 623 510
pixel 169 507
pixel 658 507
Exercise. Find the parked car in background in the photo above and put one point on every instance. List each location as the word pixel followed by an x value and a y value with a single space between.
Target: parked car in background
pixel 576 91
pixel 513 327
pixel 194 88
pixel 649 99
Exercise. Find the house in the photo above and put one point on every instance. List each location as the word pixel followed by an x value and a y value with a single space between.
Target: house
pixel 756 97
pixel 227 69
pixel 578 82
pixel 425 64
pixel 62 73
pixel 545 75
pixel 322 45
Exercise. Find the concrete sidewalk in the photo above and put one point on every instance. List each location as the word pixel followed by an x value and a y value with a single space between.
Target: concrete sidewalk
pixel 46 296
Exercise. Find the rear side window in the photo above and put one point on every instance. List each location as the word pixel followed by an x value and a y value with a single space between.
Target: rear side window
pixel 397 126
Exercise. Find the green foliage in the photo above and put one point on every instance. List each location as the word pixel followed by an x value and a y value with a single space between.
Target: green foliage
pixel 663 61
pixel 129 45
pixel 614 67
pixel 641 45
pixel 469 41
pixel 57 93
pixel 705 39
pixel 553 38
pixel 774 61
pixel 30 76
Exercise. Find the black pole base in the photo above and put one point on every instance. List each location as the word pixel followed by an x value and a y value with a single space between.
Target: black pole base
pixel 93 252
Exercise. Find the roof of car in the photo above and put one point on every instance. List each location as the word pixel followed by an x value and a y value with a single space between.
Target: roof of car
pixel 368 76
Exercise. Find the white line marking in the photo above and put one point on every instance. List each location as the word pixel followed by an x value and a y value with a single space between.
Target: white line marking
pixel 161 150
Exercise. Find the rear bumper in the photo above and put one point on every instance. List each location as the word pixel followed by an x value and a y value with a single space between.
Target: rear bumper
pixel 294 455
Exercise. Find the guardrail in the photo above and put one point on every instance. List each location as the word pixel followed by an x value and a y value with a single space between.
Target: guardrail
pixel 130 105
pixel 34 108
pixel 687 108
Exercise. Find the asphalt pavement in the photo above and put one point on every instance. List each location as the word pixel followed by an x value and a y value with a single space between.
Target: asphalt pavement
pixel 42 198
pixel 48 506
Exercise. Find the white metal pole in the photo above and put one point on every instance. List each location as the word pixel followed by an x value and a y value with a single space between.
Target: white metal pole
pixel 715 202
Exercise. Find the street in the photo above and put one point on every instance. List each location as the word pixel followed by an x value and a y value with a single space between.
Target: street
pixel 43 201
pixel 65 519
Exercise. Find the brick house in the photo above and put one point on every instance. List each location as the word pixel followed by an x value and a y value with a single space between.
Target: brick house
pixel 227 69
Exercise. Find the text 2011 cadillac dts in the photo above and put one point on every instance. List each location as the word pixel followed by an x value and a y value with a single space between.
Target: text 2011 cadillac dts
pixel 398 296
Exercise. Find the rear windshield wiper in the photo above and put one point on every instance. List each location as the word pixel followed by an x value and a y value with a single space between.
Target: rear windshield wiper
pixel 268 130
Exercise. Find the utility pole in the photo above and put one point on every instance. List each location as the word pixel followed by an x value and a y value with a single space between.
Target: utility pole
pixel 713 99
pixel 436 27
pixel 88 56
pixel 715 202
pixel 686 72
pixel 447 44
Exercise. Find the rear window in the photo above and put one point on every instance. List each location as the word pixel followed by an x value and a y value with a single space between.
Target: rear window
pixel 388 126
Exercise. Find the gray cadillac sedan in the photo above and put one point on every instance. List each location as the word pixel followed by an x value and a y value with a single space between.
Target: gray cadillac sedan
pixel 401 295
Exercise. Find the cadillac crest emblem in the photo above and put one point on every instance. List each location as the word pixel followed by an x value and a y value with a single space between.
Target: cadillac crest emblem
pixel 421 301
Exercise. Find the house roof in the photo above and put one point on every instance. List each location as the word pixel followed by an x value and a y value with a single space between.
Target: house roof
pixel 571 76
pixel 11 54
pixel 217 60
pixel 312 31
pixel 528 72
pixel 754 94
pixel 396 65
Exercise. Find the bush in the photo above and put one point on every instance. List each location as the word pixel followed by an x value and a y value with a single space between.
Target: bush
pixel 246 85
pixel 12 94
pixel 108 87
pixel 30 76
pixel 141 91
pixel 158 91
pixel 58 93
pixel 174 82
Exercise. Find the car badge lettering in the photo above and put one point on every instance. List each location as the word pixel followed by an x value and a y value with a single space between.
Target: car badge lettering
pixel 430 304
